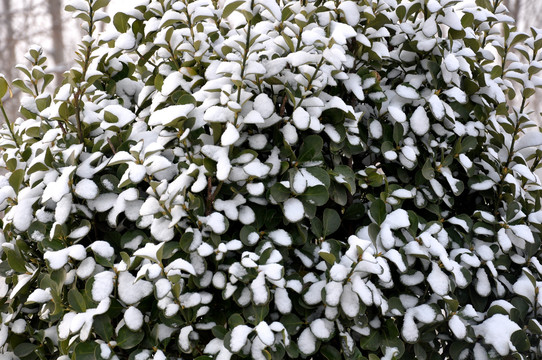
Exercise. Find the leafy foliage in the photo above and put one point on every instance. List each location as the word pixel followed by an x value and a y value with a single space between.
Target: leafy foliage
pixel 269 180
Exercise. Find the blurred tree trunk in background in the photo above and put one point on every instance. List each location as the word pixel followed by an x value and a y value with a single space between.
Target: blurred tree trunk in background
pixel 57 36
pixel 9 40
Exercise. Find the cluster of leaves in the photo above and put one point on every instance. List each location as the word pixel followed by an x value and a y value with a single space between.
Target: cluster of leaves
pixel 269 180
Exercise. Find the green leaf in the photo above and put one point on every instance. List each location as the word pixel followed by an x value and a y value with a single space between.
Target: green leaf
pixel 186 241
pixel 24 349
pixel 279 192
pixel 292 323
pixel 15 260
pixel 371 342
pixel 103 327
pixel 378 211
pixel 354 212
pixel 329 258
pixel 330 352
pixel 128 339
pixel 120 20
pixel 219 332
pixel 231 7
pixel 310 149
pixel 85 351
pixel 520 341
pixel 331 221
pixel 235 319
pixel 427 171
pixel 4 87
pixel 317 227
pixel 76 301
pixel 16 179
pixel 255 314
pixel 457 348
pixel 316 195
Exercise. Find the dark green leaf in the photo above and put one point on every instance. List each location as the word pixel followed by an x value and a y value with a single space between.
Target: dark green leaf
pixel 76 301
pixel 234 320
pixel 330 352
pixel 310 149
pixel 371 342
pixel 24 349
pixel 292 323
pixel 231 7
pixel 127 339
pixel 103 328
pixel 279 192
pixel 85 351
pixel 331 221
pixel 317 195
pixel 378 211
pixel 16 179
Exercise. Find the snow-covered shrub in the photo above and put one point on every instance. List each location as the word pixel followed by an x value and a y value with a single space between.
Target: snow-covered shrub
pixel 269 180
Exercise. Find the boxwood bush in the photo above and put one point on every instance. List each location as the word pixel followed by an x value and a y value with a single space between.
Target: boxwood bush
pixel 269 179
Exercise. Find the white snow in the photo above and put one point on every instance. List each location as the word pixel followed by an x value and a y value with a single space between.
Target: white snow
pixel 259 290
pixel 423 313
pixel 131 291
pixel 375 128
pixel 334 291
pixel 436 106
pixel 256 168
pixel 103 285
pixel 265 333
pixel 239 337
pixel 483 185
pixel 133 318
pixel 451 63
pixel 169 114
pixel 57 259
pixel 350 301
pixel 397 219
pixel 264 105
pixel 396 113
pixel 496 331
pixel 257 141
pixel 253 117
pixel 523 231
pixel 293 210
pixel 299 183
pixel 458 327
pixel 18 326
pixel 230 136
pixel 163 287
pixel 40 296
pixel 529 139
pixel 280 237
pixel 86 189
pixel 282 301
pixel 307 342
pixel 339 272
pixel 255 189
pixel 322 328
pixel 407 92
pixel 301 118
pixel 419 122
pixel 103 249
pixel 150 251
pixel 350 12
pixel 184 340
pixel 438 280
pixel 216 222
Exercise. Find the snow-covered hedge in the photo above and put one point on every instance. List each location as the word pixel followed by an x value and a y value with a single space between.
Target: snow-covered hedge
pixel 269 180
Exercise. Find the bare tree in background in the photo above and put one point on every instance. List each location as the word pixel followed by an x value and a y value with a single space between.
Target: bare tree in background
pixel 9 39
pixel 57 34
